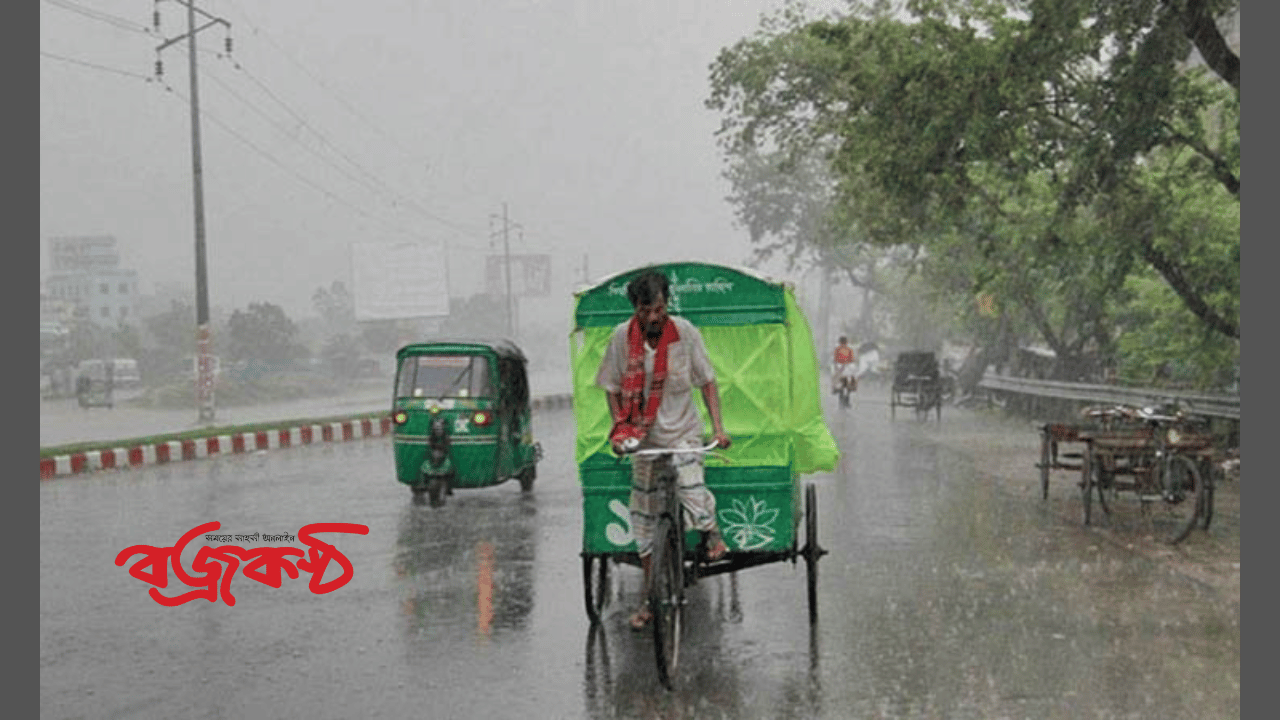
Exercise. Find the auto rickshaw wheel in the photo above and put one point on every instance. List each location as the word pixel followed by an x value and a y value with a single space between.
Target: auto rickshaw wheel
pixel 526 477
pixel 437 488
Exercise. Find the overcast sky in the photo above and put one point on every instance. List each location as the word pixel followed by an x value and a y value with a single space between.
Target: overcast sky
pixel 335 122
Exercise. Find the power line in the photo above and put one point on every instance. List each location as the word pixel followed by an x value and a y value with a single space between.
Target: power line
pixel 349 107
pixel 95 66
pixel 304 123
pixel 287 132
pixel 353 110
pixel 278 163
pixel 108 18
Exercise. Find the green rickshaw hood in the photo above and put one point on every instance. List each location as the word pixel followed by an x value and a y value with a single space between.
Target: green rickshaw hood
pixel 760 346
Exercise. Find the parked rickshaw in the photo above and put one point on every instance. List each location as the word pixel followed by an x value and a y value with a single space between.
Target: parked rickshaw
pixel 461 418
pixel 766 369
pixel 1161 455
pixel 917 384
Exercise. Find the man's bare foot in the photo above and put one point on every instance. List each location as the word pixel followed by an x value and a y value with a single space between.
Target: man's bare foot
pixel 716 549
pixel 641 617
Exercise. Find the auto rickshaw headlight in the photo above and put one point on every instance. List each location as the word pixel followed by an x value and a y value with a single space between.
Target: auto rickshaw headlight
pixel 400 417
pixel 481 418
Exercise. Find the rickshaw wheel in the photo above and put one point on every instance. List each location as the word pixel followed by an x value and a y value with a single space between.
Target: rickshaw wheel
pixel 1046 455
pixel 666 595
pixel 1091 468
pixel 812 550
pixel 595 583
pixel 1210 475
pixel 1103 482
pixel 526 477
pixel 1186 511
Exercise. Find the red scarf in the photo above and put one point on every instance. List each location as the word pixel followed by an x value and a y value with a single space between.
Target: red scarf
pixel 636 417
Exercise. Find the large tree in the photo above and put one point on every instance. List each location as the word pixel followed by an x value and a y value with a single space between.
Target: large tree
pixel 1041 146
pixel 263 332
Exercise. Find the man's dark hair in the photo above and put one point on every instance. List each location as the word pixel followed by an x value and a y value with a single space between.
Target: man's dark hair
pixel 647 287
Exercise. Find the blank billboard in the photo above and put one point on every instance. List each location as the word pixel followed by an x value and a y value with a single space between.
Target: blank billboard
pixel 391 281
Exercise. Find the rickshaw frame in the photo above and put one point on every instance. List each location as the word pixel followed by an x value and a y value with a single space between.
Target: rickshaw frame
pixel 767 374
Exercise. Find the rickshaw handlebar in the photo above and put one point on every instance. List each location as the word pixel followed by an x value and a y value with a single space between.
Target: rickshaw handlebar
pixel 673 451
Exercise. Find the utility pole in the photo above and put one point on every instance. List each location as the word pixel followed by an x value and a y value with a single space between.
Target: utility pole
pixel 506 251
pixel 204 359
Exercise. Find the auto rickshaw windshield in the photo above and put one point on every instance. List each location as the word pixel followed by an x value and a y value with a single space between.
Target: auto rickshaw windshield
pixel 442 376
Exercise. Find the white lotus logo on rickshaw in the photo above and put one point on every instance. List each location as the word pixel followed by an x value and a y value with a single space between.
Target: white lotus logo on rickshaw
pixel 750 524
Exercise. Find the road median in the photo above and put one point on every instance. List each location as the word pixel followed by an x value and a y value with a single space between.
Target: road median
pixel 158 449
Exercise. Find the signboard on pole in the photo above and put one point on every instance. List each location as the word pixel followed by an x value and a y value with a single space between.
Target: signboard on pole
pixel 391 281
pixel 530 275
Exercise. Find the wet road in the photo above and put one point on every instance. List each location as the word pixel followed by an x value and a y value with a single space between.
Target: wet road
pixel 943 597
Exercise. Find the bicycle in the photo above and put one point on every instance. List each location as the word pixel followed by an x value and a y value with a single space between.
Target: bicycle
pixel 845 386
pixel 667 579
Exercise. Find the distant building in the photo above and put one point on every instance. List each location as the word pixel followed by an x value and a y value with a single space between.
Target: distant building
pixel 86 274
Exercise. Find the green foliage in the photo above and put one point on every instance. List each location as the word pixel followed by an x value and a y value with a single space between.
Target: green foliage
pixel 341 354
pixel 173 338
pixel 386 336
pixel 336 305
pixel 1160 332
pixel 263 332
pixel 1039 151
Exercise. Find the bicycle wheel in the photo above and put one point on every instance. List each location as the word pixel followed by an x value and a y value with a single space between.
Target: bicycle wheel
pixel 666 597
pixel 595 582
pixel 1184 499
pixel 812 550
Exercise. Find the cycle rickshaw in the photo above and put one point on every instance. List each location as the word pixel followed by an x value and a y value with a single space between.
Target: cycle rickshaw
pixel 766 369
pixel 1163 456
pixel 461 417
pixel 917 383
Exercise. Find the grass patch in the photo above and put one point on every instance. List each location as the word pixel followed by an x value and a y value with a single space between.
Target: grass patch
pixel 198 433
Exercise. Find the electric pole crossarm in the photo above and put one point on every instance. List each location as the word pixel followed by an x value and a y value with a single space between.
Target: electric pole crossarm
pixel 184 36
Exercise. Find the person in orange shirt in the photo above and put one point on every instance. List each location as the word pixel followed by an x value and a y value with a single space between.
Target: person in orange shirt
pixel 845 366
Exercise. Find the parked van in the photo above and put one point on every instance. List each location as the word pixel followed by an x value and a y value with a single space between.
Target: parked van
pixel 124 371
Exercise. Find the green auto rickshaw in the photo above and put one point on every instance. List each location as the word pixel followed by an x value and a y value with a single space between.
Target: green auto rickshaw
pixel 461 417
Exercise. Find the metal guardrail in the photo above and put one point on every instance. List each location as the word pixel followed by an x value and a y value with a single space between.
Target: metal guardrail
pixel 1223 406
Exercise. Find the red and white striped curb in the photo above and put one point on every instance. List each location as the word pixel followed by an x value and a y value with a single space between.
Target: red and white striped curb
pixel 196 448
